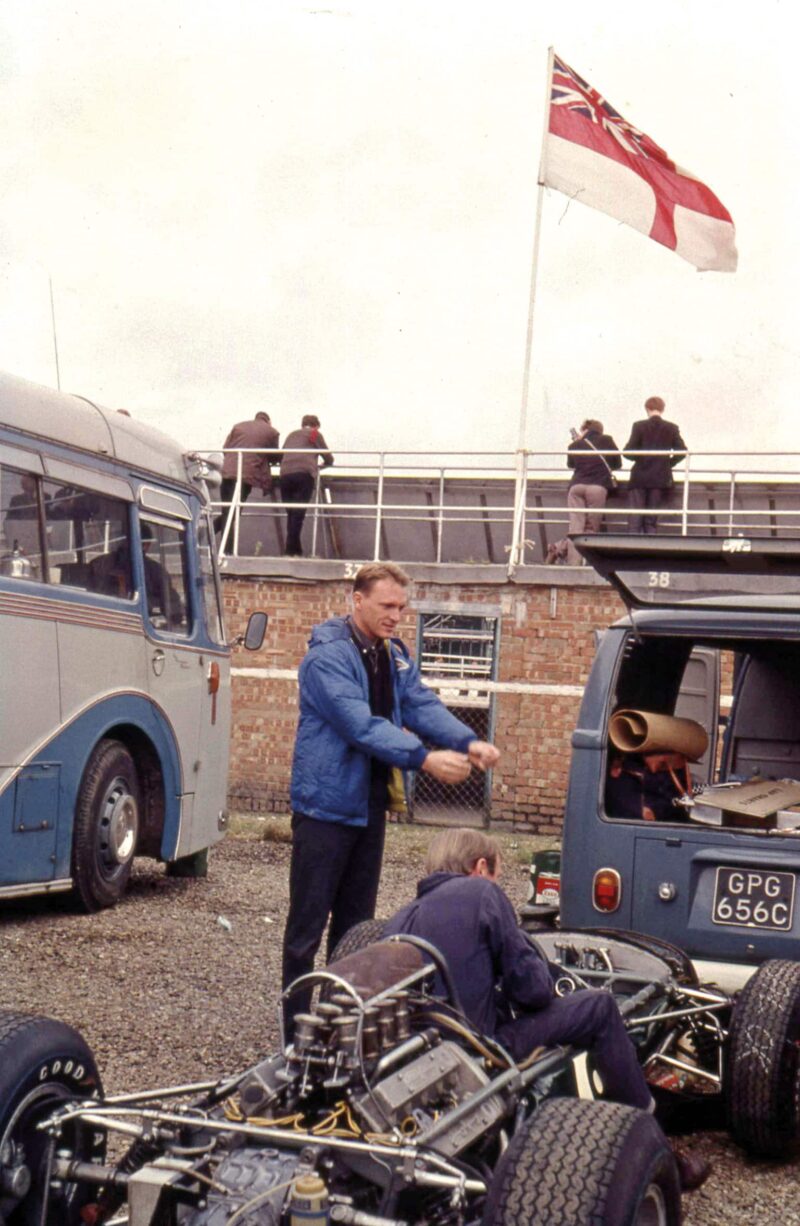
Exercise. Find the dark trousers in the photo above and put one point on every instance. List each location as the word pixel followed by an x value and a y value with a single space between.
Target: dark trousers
pixel 296 487
pixel 592 1021
pixel 226 489
pixel 645 499
pixel 335 872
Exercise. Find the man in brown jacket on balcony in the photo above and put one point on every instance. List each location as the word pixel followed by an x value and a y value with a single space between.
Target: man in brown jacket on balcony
pixel 258 433
pixel 303 449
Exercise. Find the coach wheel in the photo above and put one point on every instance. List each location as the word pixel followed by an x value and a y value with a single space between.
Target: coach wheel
pixel 44 1065
pixel 763 1082
pixel 358 937
pixel 577 1162
pixel 106 826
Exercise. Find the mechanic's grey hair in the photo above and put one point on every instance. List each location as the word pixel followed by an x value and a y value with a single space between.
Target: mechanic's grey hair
pixel 458 851
pixel 373 572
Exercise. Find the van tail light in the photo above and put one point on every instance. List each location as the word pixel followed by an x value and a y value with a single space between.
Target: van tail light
pixel 606 890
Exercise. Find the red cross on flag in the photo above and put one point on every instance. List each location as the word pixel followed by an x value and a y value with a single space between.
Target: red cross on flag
pixel 594 155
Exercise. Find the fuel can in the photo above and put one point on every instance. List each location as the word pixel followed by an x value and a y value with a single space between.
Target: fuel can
pixel 308 1203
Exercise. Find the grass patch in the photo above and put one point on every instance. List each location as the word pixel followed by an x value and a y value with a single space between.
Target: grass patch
pixel 516 847
pixel 260 827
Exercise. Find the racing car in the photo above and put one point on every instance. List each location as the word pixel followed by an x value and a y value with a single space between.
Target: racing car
pixel 387 1108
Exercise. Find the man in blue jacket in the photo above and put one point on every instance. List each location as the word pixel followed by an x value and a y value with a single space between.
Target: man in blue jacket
pixel 462 910
pixel 364 712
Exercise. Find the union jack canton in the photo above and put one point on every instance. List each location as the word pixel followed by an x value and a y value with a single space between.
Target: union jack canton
pixel 573 93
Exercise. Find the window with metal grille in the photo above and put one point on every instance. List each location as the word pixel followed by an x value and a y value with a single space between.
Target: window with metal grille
pixel 457 652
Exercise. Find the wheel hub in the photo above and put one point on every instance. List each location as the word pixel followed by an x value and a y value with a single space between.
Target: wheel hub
pixel 119 825
pixel 653 1209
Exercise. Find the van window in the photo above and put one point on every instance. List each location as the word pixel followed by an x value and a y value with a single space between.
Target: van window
pixel 88 540
pixel 663 684
pixel 20 544
pixel 165 576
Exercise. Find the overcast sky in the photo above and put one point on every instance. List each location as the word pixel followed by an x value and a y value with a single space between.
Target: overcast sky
pixel 255 204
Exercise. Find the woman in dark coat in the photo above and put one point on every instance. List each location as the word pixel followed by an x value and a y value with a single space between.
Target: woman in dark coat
pixel 591 481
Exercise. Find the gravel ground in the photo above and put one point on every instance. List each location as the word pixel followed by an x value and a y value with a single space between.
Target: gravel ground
pixel 181 981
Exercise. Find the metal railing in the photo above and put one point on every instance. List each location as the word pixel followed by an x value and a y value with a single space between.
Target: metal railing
pixel 415 505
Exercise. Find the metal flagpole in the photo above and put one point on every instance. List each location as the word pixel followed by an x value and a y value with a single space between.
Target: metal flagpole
pixel 55 342
pixel 518 547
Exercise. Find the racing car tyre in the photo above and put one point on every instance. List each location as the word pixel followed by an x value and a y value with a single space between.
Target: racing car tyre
pixel 358 937
pixel 763 1082
pixel 581 1163
pixel 44 1064
pixel 106 826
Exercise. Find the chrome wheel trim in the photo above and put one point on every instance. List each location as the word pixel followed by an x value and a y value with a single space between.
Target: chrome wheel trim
pixel 118 827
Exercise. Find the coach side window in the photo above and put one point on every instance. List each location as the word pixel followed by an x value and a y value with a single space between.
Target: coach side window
pixel 209 582
pixel 20 541
pixel 165 576
pixel 88 540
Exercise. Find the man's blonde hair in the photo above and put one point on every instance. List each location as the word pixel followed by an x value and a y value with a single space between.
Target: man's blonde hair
pixel 458 851
pixel 367 576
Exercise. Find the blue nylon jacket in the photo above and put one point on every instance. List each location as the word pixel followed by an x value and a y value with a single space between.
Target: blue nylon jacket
pixel 337 734
pixel 472 923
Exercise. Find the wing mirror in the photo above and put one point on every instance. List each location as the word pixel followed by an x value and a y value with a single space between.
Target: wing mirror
pixel 253 636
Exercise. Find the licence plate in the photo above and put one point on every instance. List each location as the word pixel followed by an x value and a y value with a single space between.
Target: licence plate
pixel 754 898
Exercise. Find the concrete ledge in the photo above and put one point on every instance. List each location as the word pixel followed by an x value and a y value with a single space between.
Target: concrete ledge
pixel 315 570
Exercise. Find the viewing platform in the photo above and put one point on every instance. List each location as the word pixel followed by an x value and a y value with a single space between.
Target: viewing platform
pixel 496 511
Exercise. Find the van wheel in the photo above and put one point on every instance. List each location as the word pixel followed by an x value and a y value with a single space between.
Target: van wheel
pixel 106 826
pixel 578 1162
pixel 763 1097
pixel 43 1065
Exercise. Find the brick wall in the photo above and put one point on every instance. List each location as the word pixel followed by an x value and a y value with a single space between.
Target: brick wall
pixel 546 639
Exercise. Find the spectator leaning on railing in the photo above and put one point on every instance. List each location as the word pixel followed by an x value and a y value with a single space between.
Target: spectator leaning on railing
pixel 591 481
pixel 651 478
pixel 258 433
pixel 299 474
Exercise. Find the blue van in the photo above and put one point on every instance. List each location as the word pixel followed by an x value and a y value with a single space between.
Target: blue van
pixel 711 642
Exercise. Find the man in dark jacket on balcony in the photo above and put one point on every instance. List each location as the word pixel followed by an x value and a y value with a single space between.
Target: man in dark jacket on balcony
pixel 364 714
pixel 651 479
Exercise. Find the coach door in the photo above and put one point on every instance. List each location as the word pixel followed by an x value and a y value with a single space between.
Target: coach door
pixel 174 663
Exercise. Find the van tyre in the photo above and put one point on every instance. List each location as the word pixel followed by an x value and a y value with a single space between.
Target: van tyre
pixel 357 938
pixel 107 818
pixel 44 1064
pixel 582 1163
pixel 764 1062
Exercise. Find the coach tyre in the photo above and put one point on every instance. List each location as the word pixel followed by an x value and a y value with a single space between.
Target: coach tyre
pixel 576 1163
pixel 763 1094
pixel 106 826
pixel 44 1065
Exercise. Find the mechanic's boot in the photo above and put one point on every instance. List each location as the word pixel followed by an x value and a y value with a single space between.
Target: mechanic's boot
pixel 693 1169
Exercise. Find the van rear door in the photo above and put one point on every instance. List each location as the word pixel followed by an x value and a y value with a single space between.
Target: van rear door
pixel 700 572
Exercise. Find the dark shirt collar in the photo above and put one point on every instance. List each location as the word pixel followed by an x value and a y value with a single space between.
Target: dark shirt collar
pixel 363 640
